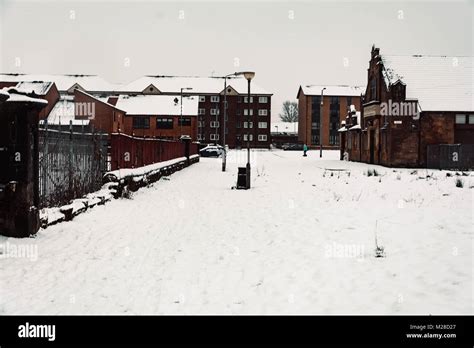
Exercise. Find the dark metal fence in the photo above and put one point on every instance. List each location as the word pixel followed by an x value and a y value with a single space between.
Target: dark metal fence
pixel 70 164
pixel 450 156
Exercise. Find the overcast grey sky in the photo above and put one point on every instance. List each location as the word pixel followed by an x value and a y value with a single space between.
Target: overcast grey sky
pixel 285 43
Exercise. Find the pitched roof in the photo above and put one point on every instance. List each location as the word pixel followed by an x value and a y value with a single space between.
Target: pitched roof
pixel 39 88
pixel 91 83
pixel 63 112
pixel 12 95
pixel 334 90
pixel 157 105
pixel 440 83
pixel 173 84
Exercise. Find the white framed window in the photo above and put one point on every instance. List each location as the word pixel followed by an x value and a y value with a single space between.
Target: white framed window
pixel 202 111
pixel 470 119
pixel 262 137
pixel 214 136
pixel 246 112
pixel 248 124
pixel 262 112
pixel 214 98
pixel 262 125
pixel 250 138
pixel 246 98
pixel 214 124
pixel 202 98
pixel 215 112
pixel 201 137
pixel 460 119
pixel 262 99
pixel 201 123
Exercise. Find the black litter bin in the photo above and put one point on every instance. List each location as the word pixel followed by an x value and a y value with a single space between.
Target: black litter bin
pixel 242 178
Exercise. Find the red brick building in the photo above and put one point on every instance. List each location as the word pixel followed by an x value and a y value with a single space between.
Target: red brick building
pixel 210 119
pixel 412 102
pixel 336 102
pixel 159 116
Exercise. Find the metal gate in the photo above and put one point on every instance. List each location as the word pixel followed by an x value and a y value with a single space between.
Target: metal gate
pixel 70 165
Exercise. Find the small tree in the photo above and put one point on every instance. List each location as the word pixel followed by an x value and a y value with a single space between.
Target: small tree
pixel 289 111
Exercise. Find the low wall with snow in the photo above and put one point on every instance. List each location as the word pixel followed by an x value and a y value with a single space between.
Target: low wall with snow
pixel 134 178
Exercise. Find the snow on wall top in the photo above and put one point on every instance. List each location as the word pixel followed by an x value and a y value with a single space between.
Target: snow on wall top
pixel 173 84
pixel 91 83
pixel 336 90
pixel 37 87
pixel 158 105
pixel 440 83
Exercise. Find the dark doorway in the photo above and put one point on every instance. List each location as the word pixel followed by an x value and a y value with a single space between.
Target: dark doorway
pixel 372 146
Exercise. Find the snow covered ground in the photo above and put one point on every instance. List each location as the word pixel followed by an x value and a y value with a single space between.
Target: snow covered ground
pixel 302 240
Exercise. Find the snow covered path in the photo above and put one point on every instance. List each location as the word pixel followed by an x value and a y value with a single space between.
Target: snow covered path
pixel 301 240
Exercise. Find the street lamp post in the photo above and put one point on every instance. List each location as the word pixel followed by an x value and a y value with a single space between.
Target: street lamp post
pixel 321 125
pixel 181 112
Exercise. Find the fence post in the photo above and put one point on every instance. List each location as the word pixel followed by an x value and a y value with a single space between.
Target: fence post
pixel 44 164
pixel 71 153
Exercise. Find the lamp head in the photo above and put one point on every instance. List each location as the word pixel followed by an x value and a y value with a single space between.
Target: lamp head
pixel 249 75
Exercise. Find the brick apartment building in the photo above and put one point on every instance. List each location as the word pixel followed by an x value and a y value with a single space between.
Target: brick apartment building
pixel 209 92
pixel 336 103
pixel 411 102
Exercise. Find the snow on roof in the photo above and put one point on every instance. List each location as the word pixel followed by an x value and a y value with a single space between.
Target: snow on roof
pixel 91 83
pixel 440 83
pixel 63 113
pixel 173 84
pixel 357 126
pixel 37 87
pixel 335 90
pixel 20 97
pixel 284 127
pixel 157 105
pixel 342 129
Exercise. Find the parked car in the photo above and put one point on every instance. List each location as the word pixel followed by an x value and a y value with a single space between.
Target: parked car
pixel 292 147
pixel 211 151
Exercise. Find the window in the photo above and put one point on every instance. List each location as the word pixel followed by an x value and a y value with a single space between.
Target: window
pixel 315 125
pixel 237 112
pixel 333 139
pixel 164 123
pixel 238 124
pixel 460 119
pixel 214 124
pixel 214 136
pixel 262 137
pixel 202 98
pixel 201 124
pixel 202 111
pixel 262 125
pixel 262 112
pixel 214 98
pixel 262 99
pixel 246 112
pixel 471 119
pixel 250 137
pixel 246 124
pixel 239 100
pixel 373 89
pixel 215 112
pixel 201 137
pixel 184 121
pixel 140 122
pixel 246 98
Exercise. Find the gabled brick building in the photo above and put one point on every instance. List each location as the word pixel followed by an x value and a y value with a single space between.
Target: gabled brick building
pixel 412 102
